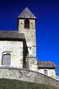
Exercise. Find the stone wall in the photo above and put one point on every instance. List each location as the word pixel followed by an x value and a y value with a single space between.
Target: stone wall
pixel 30 35
pixel 15 48
pixel 50 72
pixel 27 75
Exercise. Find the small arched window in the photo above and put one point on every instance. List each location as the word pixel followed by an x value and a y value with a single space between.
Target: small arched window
pixel 6 58
pixel 26 24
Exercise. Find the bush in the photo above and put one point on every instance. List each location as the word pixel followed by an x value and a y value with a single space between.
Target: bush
pixel 16 84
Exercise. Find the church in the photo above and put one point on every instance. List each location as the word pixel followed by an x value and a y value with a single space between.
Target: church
pixel 18 48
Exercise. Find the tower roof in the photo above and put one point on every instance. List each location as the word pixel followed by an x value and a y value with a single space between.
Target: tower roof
pixel 26 13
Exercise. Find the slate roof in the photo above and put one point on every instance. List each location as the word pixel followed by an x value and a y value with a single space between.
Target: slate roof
pixel 11 35
pixel 48 65
pixel 26 13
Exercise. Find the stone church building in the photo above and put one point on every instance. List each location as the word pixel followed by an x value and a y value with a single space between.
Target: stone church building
pixel 18 48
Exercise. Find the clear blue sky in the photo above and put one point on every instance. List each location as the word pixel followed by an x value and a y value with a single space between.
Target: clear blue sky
pixel 47 24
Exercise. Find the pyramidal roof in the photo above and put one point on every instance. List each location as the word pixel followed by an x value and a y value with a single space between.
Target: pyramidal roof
pixel 26 13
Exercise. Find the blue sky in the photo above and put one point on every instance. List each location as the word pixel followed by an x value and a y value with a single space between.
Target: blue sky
pixel 47 24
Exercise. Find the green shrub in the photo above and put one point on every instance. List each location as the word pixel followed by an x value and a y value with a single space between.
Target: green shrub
pixel 16 84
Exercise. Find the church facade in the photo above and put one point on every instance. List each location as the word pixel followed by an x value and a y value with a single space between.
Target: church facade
pixel 18 48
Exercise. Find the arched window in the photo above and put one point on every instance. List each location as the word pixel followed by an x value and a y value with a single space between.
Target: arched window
pixel 6 58
pixel 26 23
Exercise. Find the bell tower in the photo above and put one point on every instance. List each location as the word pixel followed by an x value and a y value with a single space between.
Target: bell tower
pixel 26 25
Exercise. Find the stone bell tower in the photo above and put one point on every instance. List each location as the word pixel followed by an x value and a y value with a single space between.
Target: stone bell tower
pixel 26 25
